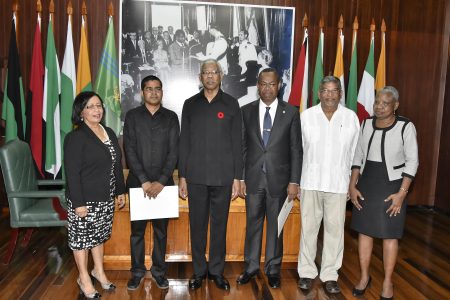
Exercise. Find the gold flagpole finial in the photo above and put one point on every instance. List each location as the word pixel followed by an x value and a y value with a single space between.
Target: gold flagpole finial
pixel 305 20
pixel 355 24
pixel 110 9
pixel 372 25
pixel 341 23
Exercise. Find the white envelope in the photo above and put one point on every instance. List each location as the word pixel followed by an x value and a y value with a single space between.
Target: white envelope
pixel 165 205
pixel 284 214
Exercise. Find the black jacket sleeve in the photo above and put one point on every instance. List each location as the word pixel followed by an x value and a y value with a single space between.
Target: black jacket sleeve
pixel 172 156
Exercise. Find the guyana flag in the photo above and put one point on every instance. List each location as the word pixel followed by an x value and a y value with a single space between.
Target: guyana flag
pixel 107 84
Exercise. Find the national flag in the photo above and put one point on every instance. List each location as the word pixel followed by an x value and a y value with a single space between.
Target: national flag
pixel 13 100
pixel 84 69
pixel 318 70
pixel 339 63
pixel 380 81
pixel 107 83
pixel 68 83
pixel 366 95
pixel 36 99
pixel 352 92
pixel 51 113
pixel 299 91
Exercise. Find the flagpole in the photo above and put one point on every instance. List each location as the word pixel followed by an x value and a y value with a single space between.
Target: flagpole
pixel 305 86
pixel 380 80
pixel 339 62
pixel 352 92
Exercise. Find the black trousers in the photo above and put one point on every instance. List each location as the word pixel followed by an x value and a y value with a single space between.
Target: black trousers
pixel 137 241
pixel 208 204
pixel 259 205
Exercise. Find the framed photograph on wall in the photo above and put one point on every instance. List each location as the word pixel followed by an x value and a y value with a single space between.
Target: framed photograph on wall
pixel 170 39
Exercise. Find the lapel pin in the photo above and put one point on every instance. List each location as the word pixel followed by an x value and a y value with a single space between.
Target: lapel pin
pixel 284 112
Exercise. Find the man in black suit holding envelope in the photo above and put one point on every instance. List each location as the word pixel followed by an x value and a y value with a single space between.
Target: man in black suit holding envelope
pixel 272 148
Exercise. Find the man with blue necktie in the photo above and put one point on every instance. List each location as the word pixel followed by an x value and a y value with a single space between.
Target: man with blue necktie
pixel 272 150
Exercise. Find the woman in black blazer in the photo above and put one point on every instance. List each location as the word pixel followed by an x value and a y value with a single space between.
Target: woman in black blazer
pixel 94 178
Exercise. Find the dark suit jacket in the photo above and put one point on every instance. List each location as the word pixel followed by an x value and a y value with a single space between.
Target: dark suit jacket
pixel 283 153
pixel 87 162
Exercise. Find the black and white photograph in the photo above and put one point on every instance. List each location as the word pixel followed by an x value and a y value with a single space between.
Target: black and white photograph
pixel 170 39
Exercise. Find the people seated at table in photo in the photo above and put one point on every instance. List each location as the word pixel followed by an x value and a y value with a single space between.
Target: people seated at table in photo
pixel 92 161
pixel 385 163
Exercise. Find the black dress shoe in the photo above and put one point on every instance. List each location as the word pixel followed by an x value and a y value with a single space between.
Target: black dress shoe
pixel 220 281
pixel 356 292
pixel 332 287
pixel 386 298
pixel 305 283
pixel 274 281
pixel 196 281
pixel 161 282
pixel 134 283
pixel 245 277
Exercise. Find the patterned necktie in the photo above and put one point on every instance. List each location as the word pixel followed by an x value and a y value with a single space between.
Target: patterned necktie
pixel 267 126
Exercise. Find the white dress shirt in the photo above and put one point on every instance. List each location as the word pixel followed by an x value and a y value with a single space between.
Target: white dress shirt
pixel 328 149
pixel 262 111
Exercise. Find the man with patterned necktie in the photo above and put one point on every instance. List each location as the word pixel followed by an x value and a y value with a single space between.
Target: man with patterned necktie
pixel 272 150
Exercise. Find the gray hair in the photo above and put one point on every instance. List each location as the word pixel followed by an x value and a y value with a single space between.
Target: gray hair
pixel 211 61
pixel 389 90
pixel 333 79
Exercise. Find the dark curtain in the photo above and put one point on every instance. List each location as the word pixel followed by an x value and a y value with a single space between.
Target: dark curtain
pixel 280 37
pixel 189 17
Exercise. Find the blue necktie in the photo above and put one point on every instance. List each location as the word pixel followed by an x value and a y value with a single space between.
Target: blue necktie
pixel 267 127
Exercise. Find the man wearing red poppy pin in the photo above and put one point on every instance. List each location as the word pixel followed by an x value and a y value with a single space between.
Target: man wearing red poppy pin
pixel 210 169
pixel 272 166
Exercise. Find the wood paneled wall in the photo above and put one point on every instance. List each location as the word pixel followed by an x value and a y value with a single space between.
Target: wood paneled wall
pixel 416 46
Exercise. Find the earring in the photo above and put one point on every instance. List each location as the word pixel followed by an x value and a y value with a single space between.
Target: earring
pixel 82 119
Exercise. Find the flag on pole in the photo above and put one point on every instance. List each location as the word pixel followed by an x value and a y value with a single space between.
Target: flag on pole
pixel 366 95
pixel 380 81
pixel 51 113
pixel 352 93
pixel 107 83
pixel 299 91
pixel 68 83
pixel 37 98
pixel 13 100
pixel 318 70
pixel 339 63
pixel 84 69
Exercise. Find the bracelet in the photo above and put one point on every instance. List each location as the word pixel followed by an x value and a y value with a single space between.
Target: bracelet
pixel 403 189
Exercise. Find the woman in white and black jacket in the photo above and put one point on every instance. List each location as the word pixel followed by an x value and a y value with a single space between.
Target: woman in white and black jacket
pixel 384 165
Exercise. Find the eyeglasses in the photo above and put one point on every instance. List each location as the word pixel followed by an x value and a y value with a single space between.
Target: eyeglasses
pixel 94 106
pixel 150 89
pixel 270 85
pixel 207 73
pixel 333 92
